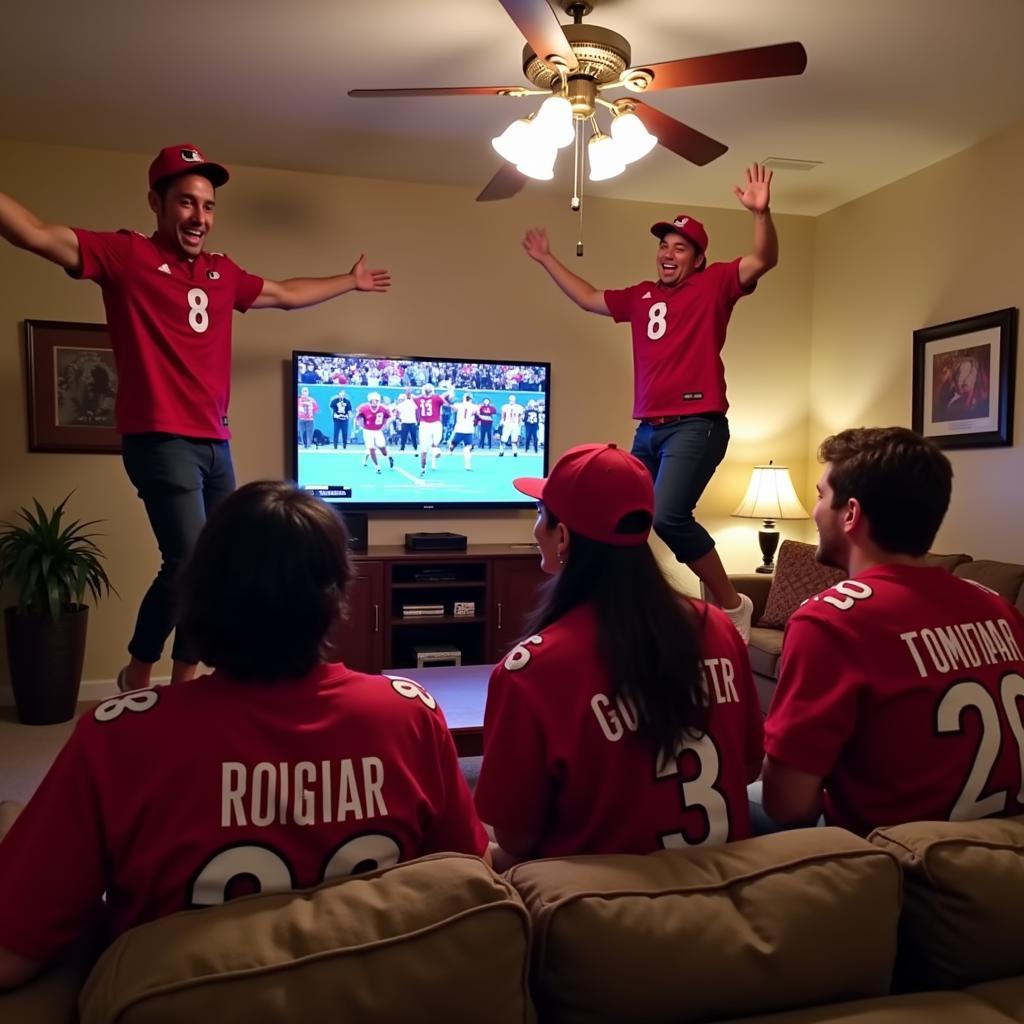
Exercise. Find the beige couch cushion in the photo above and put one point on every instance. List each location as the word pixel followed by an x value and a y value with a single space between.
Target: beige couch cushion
pixel 52 997
pixel 926 1008
pixel 964 900
pixel 798 576
pixel 792 919
pixel 1004 578
pixel 947 562
pixel 1006 995
pixel 441 938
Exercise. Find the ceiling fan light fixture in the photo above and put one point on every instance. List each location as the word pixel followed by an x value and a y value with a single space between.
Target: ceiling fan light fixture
pixel 605 160
pixel 632 140
pixel 539 163
pixel 554 122
pixel 515 143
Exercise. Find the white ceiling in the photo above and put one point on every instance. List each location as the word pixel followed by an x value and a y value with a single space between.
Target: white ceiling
pixel 891 86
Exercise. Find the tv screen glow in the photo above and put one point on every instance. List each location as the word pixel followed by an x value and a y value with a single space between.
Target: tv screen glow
pixel 503 422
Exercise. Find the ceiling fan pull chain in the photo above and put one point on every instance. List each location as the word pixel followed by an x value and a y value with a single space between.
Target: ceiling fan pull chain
pixel 577 184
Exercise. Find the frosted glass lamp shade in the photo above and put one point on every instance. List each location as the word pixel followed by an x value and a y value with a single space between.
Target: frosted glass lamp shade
pixel 605 162
pixel 632 140
pixel 554 122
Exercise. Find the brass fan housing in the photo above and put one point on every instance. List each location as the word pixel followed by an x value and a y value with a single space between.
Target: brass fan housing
pixel 602 55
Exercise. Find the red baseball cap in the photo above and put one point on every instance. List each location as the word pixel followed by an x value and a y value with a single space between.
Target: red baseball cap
pixel 689 227
pixel 591 487
pixel 185 159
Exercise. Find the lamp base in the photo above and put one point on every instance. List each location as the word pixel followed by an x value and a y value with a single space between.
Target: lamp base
pixel 768 540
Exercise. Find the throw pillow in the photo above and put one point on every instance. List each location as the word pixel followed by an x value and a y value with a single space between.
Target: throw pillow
pixel 798 576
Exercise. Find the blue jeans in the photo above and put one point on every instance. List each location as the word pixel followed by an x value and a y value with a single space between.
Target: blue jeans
pixel 180 480
pixel 682 456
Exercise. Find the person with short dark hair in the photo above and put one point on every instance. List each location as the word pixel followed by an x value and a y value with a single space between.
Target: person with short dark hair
pixel 679 324
pixel 169 304
pixel 901 689
pixel 281 769
pixel 626 721
pixel 341 410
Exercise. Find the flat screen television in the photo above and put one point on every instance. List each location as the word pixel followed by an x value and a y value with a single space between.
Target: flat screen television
pixel 364 429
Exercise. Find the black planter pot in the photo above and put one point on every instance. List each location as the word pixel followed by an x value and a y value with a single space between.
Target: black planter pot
pixel 45 659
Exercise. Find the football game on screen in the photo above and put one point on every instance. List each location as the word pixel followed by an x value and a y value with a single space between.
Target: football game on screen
pixel 373 431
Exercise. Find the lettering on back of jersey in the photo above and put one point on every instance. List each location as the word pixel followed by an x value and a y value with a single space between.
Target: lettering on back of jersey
pixel 943 649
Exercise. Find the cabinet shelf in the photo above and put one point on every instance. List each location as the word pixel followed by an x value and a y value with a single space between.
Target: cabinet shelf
pixel 435 620
pixel 441 585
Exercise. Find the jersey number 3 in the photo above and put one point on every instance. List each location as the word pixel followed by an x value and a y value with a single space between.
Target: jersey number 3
pixel 698 792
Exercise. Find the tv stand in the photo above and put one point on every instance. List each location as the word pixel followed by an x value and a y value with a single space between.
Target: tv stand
pixel 475 601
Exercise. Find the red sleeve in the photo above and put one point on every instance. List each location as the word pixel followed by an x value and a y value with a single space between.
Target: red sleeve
pixel 104 254
pixel 52 862
pixel 814 709
pixel 620 303
pixel 512 791
pixel 247 286
pixel 730 280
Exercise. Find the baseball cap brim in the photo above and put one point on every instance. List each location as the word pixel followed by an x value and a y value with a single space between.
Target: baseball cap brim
pixel 662 228
pixel 531 486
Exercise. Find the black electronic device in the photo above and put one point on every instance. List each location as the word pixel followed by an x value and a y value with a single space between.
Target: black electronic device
pixel 435 541
pixel 358 530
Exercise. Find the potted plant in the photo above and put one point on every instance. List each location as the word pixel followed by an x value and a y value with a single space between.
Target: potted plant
pixel 51 564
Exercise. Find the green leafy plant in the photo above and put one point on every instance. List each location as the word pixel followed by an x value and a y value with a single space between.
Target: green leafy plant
pixel 51 564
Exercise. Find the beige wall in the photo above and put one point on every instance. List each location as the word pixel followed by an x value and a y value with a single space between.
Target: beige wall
pixel 462 286
pixel 938 246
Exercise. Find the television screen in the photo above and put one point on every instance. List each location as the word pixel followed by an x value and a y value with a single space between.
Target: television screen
pixel 378 432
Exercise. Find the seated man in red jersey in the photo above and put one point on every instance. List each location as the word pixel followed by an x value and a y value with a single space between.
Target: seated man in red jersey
pixel 901 690
pixel 278 771
pixel 626 721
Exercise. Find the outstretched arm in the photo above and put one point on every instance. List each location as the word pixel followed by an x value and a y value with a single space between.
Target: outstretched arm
pixel 755 197
pixel 297 292
pixel 585 295
pixel 54 242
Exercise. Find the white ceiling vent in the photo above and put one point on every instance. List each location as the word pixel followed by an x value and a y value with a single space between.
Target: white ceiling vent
pixel 785 163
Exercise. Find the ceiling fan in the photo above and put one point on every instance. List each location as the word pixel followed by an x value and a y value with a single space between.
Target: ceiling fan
pixel 577 63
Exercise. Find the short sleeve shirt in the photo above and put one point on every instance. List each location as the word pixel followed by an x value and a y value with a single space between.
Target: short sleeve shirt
pixel 169 320
pixel 678 335
pixel 903 689
pixel 563 759
pixel 286 783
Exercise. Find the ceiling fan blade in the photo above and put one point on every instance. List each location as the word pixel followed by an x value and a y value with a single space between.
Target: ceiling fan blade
pixel 537 22
pixel 468 90
pixel 734 66
pixel 683 140
pixel 504 185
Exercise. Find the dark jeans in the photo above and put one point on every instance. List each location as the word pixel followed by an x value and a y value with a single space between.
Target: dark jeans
pixel 410 433
pixel 486 430
pixel 531 437
pixel 341 426
pixel 682 457
pixel 180 480
pixel 305 432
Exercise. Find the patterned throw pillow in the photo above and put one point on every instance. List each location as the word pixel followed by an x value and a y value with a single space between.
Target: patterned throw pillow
pixel 797 577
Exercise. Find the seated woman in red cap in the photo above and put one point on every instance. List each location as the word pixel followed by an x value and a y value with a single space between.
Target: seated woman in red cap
pixel 626 721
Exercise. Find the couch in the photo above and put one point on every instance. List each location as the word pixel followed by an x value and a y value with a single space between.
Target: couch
pixel 921 922
pixel 798 583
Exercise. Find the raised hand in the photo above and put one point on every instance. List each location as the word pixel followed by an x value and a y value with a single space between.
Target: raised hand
pixel 757 195
pixel 369 280
pixel 536 243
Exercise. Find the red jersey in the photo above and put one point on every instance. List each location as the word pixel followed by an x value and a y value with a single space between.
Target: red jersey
pixel 563 759
pixel 373 419
pixel 252 786
pixel 169 320
pixel 678 334
pixel 486 412
pixel 428 408
pixel 307 407
pixel 903 688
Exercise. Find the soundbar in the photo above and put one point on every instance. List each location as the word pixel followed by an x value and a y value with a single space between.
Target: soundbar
pixel 435 542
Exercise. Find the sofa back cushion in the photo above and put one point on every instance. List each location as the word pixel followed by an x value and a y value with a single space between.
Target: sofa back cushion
pixel 1005 578
pixel 947 562
pixel 793 919
pixel 963 900
pixel 441 938
pixel 798 576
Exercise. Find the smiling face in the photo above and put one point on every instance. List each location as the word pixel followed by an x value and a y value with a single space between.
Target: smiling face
pixel 677 259
pixel 184 215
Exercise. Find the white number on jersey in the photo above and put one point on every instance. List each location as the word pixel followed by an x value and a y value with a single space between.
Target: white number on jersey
pixel 412 690
pixel 273 873
pixel 519 657
pixel 971 805
pixel 698 792
pixel 849 591
pixel 198 318
pixel 656 323
pixel 136 701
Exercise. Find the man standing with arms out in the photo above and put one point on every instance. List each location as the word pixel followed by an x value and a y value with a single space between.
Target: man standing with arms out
pixel 511 422
pixel 465 423
pixel 428 409
pixel 407 419
pixel 901 690
pixel 485 416
pixel 168 305
pixel 372 417
pixel 308 408
pixel 679 323
pixel 341 410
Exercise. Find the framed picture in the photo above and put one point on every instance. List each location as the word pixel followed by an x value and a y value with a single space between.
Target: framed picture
pixel 72 385
pixel 964 375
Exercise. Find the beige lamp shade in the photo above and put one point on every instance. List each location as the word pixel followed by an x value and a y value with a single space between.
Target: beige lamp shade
pixel 770 495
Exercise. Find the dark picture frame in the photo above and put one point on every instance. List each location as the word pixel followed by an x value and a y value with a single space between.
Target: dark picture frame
pixel 72 387
pixel 964 376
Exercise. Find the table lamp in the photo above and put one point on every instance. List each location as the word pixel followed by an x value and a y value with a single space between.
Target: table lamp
pixel 770 496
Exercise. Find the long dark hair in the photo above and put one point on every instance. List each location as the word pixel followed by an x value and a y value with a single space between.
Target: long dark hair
pixel 648 634
pixel 266 582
